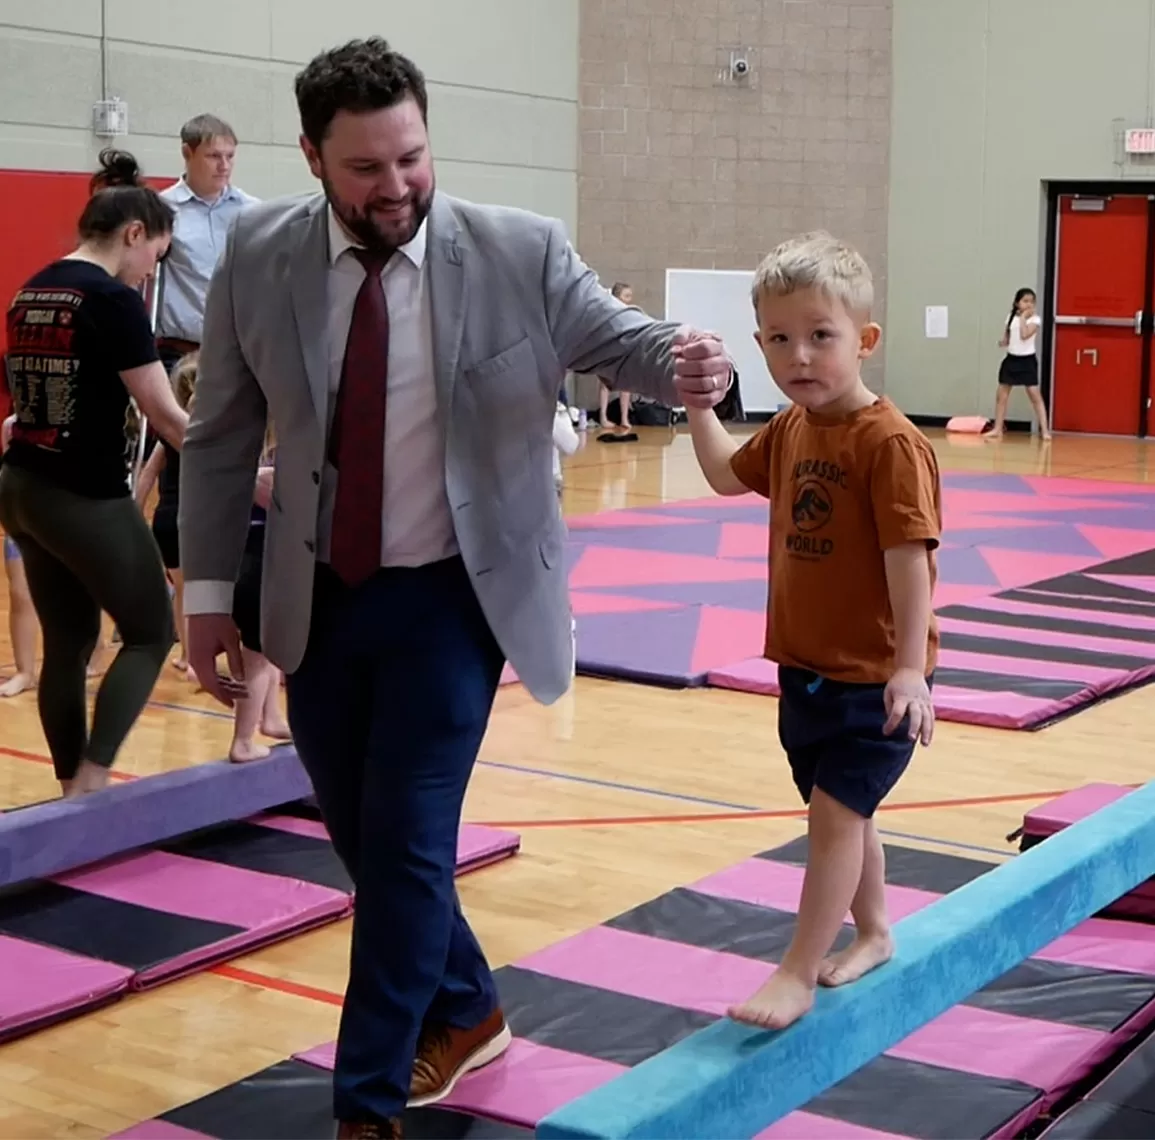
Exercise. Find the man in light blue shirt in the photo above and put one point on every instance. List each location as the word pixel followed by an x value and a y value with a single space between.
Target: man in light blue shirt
pixel 206 205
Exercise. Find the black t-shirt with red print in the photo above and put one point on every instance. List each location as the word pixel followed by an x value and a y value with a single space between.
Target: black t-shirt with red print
pixel 72 329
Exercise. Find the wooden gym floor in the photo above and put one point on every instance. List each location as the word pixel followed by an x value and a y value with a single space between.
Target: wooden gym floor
pixel 620 792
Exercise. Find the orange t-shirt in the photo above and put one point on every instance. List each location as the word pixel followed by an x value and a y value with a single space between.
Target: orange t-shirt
pixel 841 492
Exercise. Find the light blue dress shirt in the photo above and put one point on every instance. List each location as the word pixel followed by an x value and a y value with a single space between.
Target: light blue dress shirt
pixel 198 241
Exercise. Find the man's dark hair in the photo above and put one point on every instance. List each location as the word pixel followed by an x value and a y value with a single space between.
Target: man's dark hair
pixel 362 75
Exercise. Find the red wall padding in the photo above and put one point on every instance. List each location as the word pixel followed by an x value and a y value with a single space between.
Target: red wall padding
pixel 40 209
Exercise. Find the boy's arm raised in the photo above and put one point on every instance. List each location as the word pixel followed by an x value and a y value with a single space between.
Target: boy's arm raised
pixel 715 449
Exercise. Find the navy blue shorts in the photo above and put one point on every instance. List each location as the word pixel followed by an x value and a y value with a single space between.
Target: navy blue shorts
pixel 832 734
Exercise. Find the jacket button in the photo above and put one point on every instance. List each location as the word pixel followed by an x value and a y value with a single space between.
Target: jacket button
pixel 317 477
pixel 309 545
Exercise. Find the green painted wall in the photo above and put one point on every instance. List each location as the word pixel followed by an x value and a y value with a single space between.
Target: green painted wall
pixel 991 100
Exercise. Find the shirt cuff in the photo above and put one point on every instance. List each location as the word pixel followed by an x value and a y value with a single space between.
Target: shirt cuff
pixel 206 597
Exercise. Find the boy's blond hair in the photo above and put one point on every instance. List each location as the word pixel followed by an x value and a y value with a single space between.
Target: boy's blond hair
pixel 820 261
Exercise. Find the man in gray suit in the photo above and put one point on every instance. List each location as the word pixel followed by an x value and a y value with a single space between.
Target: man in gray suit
pixel 408 349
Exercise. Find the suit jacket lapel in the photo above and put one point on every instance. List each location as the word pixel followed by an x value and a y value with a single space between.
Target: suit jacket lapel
pixel 447 296
pixel 309 283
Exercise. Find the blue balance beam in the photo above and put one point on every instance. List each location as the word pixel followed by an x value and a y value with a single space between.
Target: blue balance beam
pixel 60 835
pixel 732 1080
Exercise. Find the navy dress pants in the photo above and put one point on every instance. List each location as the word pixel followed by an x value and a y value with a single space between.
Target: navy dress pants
pixel 388 710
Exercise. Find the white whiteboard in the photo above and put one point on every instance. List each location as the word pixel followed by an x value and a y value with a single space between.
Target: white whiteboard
pixel 718 300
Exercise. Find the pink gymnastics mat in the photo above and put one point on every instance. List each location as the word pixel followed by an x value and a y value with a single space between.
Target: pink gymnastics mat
pixel 1046 595
pixel 1055 815
pixel 591 1006
pixel 86 937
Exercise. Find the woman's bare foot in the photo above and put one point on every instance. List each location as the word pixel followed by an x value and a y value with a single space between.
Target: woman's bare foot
pixel 993 435
pixel 276 730
pixel 242 751
pixel 781 1001
pixel 89 778
pixel 865 953
pixel 20 683
pixel 179 664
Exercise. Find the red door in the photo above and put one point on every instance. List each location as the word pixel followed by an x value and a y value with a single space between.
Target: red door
pixel 1099 335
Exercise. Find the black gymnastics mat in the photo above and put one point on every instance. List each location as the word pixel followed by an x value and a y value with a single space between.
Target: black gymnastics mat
pixel 587 1008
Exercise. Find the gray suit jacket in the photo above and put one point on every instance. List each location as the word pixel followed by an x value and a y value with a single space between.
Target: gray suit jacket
pixel 513 308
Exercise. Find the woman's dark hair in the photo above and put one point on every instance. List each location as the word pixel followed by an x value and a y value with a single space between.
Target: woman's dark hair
pixel 618 288
pixel 362 75
pixel 1023 292
pixel 119 197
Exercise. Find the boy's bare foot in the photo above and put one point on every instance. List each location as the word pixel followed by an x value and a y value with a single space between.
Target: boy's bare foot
pixel 17 684
pixel 778 1003
pixel 242 751
pixel 276 730
pixel 865 953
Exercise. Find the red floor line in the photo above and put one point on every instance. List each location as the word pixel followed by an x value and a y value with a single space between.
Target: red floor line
pixel 279 985
pixel 784 813
pixel 36 758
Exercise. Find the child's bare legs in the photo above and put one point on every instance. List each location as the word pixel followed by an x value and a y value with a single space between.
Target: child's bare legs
pixel 1001 399
pixel 259 675
pixel 872 945
pixel 23 627
pixel 834 871
pixel 1036 398
pixel 604 395
pixel 273 723
pixel 259 710
pixel 177 580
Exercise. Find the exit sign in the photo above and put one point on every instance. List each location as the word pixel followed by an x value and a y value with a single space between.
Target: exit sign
pixel 1140 140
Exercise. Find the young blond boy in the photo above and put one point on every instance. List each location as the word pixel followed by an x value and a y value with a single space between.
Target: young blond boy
pixel 855 520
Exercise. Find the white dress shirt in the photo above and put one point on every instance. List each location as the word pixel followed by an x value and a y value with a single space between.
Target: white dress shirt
pixel 417 524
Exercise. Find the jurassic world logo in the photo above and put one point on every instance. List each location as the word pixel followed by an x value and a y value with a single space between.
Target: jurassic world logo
pixel 810 512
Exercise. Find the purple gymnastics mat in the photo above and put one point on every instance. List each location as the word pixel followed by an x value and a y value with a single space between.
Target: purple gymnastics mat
pixel 144 919
pixel 593 1005
pixel 1046 595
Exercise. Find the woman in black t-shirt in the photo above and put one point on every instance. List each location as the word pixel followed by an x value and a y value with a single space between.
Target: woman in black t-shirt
pixel 79 344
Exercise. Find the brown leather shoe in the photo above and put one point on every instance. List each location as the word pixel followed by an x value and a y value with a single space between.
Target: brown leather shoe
pixel 370 1130
pixel 445 1054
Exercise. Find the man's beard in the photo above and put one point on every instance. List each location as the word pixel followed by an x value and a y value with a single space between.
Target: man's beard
pixel 364 229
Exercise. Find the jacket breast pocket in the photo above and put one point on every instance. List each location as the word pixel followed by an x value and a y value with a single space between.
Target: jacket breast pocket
pixel 508 366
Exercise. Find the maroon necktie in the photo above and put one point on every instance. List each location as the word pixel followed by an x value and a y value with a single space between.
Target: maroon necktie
pixel 358 446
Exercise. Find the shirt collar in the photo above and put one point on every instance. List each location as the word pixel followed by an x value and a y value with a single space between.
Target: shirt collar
pixel 339 242
pixel 181 191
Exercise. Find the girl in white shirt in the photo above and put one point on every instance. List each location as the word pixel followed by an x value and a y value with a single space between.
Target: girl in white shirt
pixel 1020 366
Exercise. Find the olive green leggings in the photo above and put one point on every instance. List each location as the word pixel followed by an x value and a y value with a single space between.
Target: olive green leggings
pixel 82 556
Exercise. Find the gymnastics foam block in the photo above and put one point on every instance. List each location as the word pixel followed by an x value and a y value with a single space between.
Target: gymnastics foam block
pixel 969 425
pixel 731 1080
pixel 51 838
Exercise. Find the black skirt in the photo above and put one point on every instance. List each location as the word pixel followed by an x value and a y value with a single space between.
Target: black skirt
pixel 1019 371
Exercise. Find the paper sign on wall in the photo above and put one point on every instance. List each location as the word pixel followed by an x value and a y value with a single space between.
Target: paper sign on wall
pixel 936 322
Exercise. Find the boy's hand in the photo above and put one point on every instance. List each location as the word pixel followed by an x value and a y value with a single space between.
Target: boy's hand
pixel 907 695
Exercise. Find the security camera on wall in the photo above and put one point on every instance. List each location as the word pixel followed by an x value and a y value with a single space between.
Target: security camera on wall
pixel 739 66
